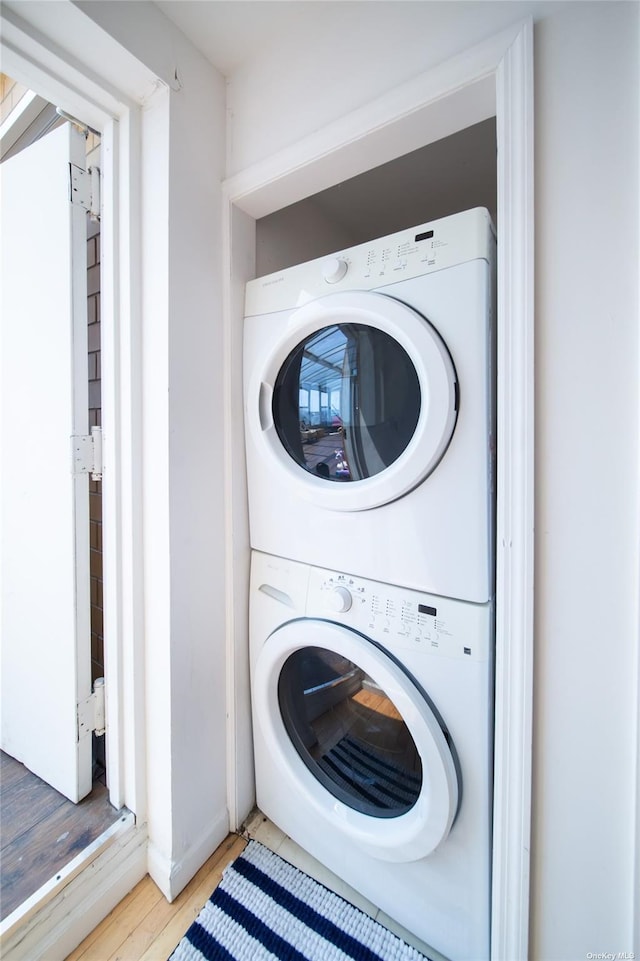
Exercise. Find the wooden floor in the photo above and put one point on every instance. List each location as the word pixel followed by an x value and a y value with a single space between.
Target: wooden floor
pixel 144 926
pixel 41 831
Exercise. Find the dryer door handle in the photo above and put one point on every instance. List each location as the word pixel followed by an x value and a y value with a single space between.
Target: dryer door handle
pixel 265 410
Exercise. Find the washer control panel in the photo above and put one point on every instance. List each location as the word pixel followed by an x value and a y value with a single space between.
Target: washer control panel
pixel 401 619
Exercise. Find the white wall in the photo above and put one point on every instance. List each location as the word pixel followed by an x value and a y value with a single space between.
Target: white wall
pixel 182 444
pixel 296 234
pixel 349 54
pixel 587 479
pixel 184 515
pixel 196 458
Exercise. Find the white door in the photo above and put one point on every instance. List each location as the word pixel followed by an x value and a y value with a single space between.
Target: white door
pixel 44 554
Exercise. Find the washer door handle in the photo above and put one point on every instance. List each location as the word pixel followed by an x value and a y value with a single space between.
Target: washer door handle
pixel 265 409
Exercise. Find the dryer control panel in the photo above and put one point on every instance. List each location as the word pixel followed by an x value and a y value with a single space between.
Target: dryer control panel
pixel 401 619
pixel 409 253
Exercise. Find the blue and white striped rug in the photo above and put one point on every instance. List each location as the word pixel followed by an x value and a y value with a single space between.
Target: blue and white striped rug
pixel 266 909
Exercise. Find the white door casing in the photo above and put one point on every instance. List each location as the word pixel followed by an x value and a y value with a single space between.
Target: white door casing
pixel 45 633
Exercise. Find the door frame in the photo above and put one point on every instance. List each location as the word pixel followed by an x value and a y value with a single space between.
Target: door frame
pixel 117 118
pixel 494 77
pixel 71 905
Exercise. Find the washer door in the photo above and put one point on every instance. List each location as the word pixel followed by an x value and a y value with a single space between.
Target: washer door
pixel 357 403
pixel 365 747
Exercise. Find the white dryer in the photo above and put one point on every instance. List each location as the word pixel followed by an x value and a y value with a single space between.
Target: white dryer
pixel 372 717
pixel 369 408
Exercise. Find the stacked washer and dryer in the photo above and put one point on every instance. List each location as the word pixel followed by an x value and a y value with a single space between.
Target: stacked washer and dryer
pixel 368 381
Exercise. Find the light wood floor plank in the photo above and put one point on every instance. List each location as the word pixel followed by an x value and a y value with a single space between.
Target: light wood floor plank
pixel 101 931
pixel 168 938
pixel 144 926
pixel 123 924
pixel 145 933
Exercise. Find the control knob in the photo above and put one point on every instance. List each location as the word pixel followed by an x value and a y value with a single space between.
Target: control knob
pixel 334 270
pixel 339 600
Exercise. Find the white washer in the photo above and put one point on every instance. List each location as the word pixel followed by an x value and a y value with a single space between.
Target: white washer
pixel 369 409
pixel 372 717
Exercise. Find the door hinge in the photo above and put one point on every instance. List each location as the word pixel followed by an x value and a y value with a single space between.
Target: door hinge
pixel 91 711
pixel 84 189
pixel 86 453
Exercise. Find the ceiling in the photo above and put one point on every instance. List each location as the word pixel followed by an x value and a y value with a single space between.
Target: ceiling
pixel 231 32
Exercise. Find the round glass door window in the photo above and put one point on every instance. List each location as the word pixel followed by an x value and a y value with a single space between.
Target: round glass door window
pixel 349 733
pixel 346 402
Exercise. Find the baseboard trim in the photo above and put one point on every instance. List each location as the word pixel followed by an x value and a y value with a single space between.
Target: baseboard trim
pixel 172 876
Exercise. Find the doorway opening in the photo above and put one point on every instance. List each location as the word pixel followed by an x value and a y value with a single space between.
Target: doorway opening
pixel 42 830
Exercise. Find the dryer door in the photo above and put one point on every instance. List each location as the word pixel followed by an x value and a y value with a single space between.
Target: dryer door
pixel 357 403
pixel 366 748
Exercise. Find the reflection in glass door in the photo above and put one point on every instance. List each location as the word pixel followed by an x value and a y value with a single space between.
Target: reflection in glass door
pixel 346 402
pixel 349 733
